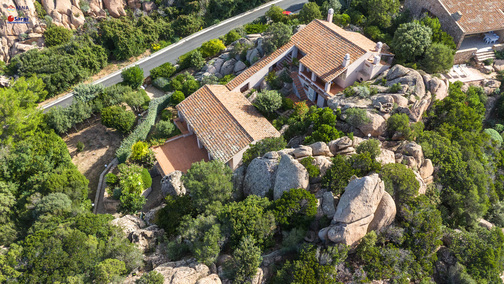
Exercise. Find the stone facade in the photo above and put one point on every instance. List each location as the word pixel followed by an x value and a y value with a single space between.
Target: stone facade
pixel 463 56
pixel 434 7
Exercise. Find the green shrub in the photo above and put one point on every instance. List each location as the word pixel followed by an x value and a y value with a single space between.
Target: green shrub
pixel 255 28
pixel 166 114
pixel 488 62
pixel 231 37
pixel 363 164
pixel 371 146
pixel 111 179
pixel 499 128
pixel 165 129
pixel 165 70
pixel 133 76
pixel 212 47
pixel 342 20
pixel 287 104
pixel 313 171
pixel 395 88
pixel 162 84
pixel 87 92
pixel 190 86
pixel 177 97
pixel 356 117
pixel 146 178
pixel 56 35
pixel 139 150
pixel 438 58
pixel 80 146
pixel 262 147
pixel 494 135
pixel 118 118
pixel 268 101
pixel 142 130
pixel 338 175
pixel 226 79
pixel 400 183
pixel 196 60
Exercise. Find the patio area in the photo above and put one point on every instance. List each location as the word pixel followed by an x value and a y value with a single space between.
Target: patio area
pixel 476 41
pixel 179 154
pixel 464 74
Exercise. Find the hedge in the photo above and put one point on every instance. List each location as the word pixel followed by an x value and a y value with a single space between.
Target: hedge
pixel 143 129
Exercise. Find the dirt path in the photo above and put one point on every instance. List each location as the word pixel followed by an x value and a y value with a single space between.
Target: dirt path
pixel 100 144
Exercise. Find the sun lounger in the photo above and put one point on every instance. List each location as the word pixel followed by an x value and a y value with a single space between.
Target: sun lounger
pixel 457 70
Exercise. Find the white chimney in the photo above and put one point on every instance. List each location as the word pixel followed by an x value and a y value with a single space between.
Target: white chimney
pixel 376 60
pixel 346 60
pixel 330 15
pixel 379 46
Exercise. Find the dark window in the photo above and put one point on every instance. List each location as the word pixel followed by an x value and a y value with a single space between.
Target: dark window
pixel 244 88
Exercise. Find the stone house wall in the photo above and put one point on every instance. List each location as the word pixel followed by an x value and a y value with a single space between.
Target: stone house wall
pixel 463 56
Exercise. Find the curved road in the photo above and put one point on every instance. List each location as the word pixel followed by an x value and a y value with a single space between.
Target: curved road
pixel 172 52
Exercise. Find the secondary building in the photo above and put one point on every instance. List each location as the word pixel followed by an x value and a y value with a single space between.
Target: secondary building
pixel 225 123
pixel 330 59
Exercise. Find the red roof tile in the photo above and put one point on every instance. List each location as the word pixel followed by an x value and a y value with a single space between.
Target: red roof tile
pixel 225 122
pixel 477 15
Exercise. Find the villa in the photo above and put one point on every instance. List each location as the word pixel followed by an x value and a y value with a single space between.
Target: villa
pixel 330 59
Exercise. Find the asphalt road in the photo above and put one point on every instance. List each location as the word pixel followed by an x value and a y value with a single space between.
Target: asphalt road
pixel 172 52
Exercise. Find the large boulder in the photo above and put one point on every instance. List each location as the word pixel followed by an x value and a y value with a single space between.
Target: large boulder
pixel 418 108
pixel 339 144
pixel 64 13
pixel 360 199
pixel 115 7
pixel 396 71
pixel 210 279
pixel 183 272
pixel 290 174
pixel 384 214
pixel 407 77
pixel 349 234
pixel 340 101
pixel 426 169
pixel 239 66
pixel 96 9
pixel 260 176
pixel 376 125
pixel 218 62
pixel 413 149
pixel 129 224
pixel 302 151
pixel 386 157
pixel 238 178
pixel 322 163
pixel 146 239
pixel 172 184
pixel 320 149
pixel 328 204
pixel 423 186
pixel 228 67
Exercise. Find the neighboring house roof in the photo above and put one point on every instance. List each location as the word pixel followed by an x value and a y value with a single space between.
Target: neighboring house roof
pixel 477 15
pixel 324 45
pixel 225 122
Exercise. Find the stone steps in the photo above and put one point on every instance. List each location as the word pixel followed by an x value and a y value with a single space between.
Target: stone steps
pixel 484 55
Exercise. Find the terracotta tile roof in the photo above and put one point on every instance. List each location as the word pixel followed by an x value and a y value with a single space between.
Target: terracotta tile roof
pixel 477 15
pixel 324 44
pixel 225 122
pixel 257 66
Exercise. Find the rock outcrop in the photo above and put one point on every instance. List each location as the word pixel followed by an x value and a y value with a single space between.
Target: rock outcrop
pixel 364 206
pixel 115 7
pixel 260 176
pixel 65 13
pixel 185 272
pixel 172 184
pixel 290 174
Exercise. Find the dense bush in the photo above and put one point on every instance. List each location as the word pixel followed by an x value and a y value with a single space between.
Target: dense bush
pixel 118 118
pixel 56 35
pixel 411 40
pixel 268 101
pixel 133 76
pixel 122 38
pixel 212 47
pixel 400 183
pixel 164 70
pixel 308 163
pixel 231 37
pixel 76 61
pixel 87 92
pixel 371 146
pixel 438 58
pixel 165 129
pixel 162 84
pixel 309 12
pixel 356 117
pixel 208 182
pixel 177 97
pixel 338 175
pixel 142 130
pixel 170 216
pixel 262 147
pixel 296 208
pixel 278 35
